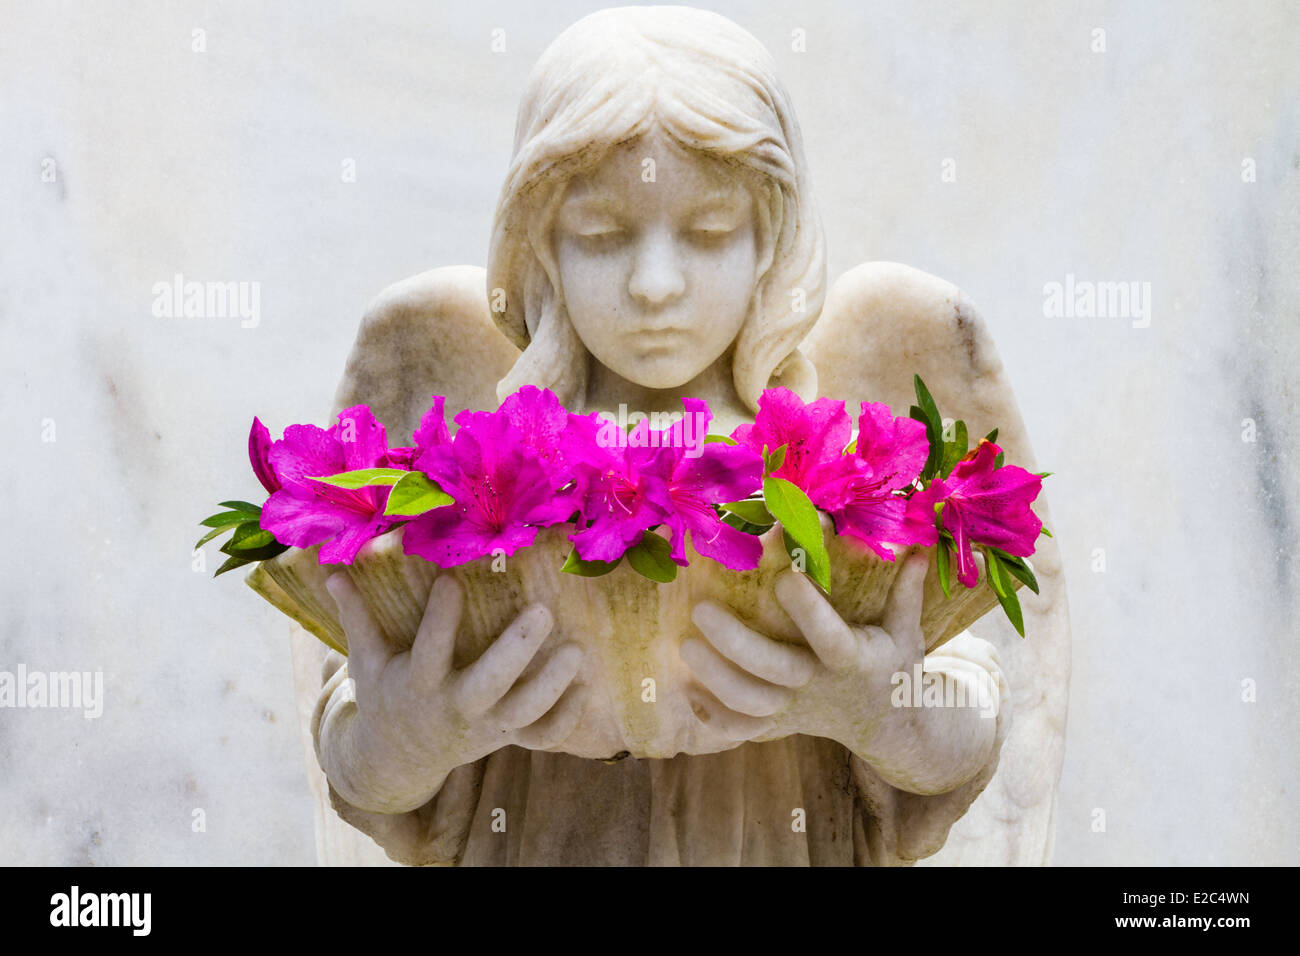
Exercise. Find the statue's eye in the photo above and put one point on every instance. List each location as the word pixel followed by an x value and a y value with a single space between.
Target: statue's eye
pixel 601 237
pixel 711 235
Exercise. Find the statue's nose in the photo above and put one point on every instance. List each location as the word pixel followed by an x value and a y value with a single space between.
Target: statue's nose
pixel 657 277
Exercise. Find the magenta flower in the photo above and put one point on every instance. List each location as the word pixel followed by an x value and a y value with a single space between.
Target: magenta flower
pixel 623 495
pixel 432 432
pixel 986 505
pixel 557 437
pixel 259 449
pixel 814 434
pixel 652 480
pixel 501 489
pixel 862 490
pixel 303 512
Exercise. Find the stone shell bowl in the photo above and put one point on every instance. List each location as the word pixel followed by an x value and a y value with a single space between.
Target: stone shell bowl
pixel 629 626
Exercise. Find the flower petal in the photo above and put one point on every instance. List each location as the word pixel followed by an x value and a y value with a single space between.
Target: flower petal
pixel 361 436
pixel 432 431
pixel 714 538
pixel 259 449
pixel 306 452
pixel 895 448
pixel 301 522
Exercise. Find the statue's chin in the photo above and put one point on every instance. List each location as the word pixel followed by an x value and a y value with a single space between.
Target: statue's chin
pixel 668 377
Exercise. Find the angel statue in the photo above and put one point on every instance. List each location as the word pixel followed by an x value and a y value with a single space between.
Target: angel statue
pixel 656 239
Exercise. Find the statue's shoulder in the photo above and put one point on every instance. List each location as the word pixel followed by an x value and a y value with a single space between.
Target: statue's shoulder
pixel 430 334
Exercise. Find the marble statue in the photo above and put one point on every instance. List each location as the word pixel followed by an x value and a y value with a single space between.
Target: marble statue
pixel 656 237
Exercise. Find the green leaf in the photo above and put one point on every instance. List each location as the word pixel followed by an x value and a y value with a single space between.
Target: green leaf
pixel 210 535
pixel 251 542
pixel 1043 474
pixel 1045 531
pixel 225 519
pixel 992 436
pixel 249 535
pixel 651 558
pixel 926 401
pixel 942 560
pixel 587 569
pixel 265 553
pixel 1006 592
pixel 997 461
pixel 364 477
pixel 230 564
pixel 725 439
pixel 1018 568
pixel 752 511
pixel 746 527
pixel 414 494
pixel 798 516
pixel 244 506
pixel 928 412
pixel 997 581
pixel 773 461
pixel 955 450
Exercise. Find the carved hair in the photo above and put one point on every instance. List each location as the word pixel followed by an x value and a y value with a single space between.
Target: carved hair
pixel 708 84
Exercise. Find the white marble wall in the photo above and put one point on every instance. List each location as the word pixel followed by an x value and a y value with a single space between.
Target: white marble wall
pixel 226 165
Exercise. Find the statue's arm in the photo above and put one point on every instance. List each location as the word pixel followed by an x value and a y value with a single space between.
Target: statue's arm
pixel 398 733
pixel 432 833
pixel 429 334
pixel 904 825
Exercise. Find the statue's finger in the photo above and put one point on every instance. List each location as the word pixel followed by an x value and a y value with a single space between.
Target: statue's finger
pixel 435 641
pixel 368 653
pixel 483 683
pixel 559 723
pixel 831 639
pixel 530 699
pixel 739 691
pixel 330 666
pixel 902 617
pixel 724 722
pixel 751 651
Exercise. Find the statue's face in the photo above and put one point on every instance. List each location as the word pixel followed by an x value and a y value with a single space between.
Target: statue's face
pixel 657 263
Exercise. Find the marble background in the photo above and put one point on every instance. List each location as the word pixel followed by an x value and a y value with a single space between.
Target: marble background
pixel 226 164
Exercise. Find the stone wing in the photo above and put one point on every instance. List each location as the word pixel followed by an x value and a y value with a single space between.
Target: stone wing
pixel 431 334
pixel 882 323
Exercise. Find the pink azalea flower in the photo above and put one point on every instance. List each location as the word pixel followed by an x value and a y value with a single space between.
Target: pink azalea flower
pixel 431 433
pixel 861 491
pixel 814 434
pixel 623 496
pixel 259 449
pixel 652 480
pixel 303 512
pixel 501 489
pixel 988 505
pixel 557 437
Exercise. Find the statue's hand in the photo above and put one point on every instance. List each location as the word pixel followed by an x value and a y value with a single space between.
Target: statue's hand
pixel 842 687
pixel 416 718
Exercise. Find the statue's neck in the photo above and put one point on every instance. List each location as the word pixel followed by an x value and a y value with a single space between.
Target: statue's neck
pixel 606 390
